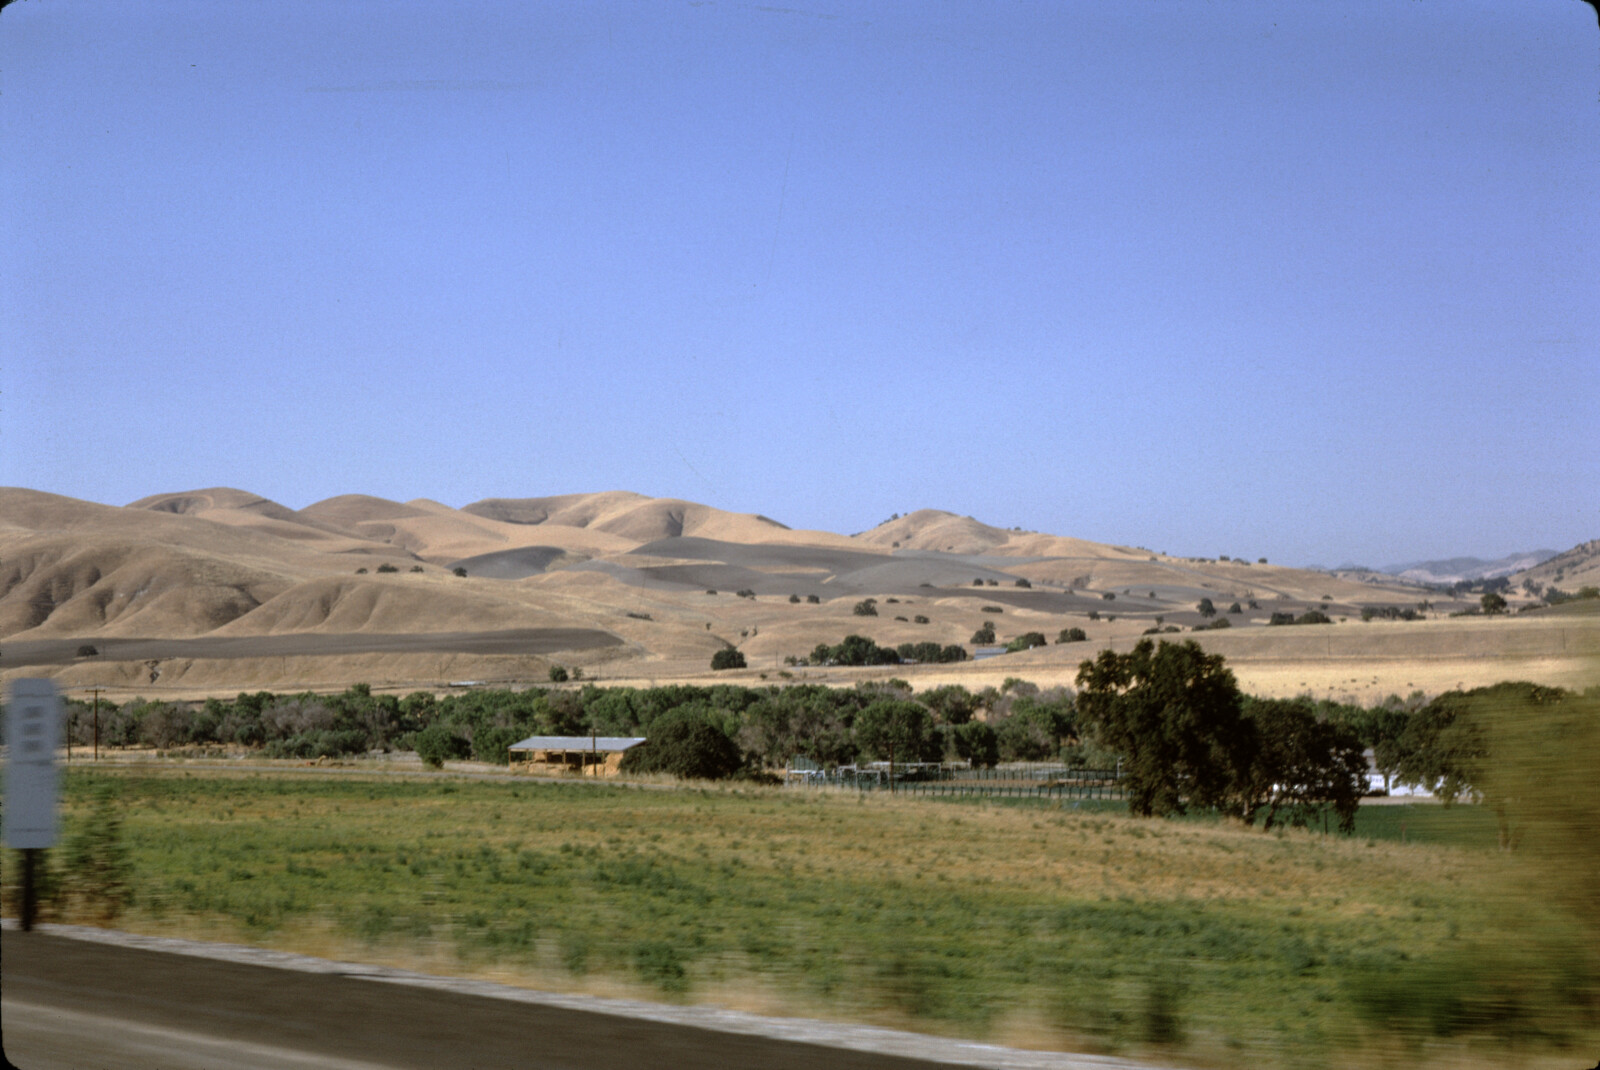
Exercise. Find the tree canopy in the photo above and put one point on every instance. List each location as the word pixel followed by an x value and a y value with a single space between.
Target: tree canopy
pixel 728 658
pixel 896 730
pixel 686 744
pixel 1173 712
pixel 1299 763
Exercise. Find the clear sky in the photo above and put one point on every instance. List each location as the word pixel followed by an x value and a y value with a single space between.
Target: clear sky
pixel 1316 282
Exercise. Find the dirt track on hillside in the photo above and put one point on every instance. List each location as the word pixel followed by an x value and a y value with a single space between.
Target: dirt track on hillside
pixel 520 641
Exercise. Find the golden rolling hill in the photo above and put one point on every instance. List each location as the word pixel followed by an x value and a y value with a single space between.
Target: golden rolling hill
pixel 222 589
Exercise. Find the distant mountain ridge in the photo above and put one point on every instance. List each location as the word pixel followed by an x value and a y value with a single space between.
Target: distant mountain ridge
pixel 1455 569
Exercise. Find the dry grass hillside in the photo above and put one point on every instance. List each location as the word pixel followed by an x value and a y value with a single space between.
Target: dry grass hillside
pixel 1578 567
pixel 220 589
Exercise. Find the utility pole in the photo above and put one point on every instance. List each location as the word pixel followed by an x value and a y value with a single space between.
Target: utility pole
pixel 96 692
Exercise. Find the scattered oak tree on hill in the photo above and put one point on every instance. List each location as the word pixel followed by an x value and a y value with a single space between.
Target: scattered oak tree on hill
pixel 931 653
pixel 1026 641
pixel 728 658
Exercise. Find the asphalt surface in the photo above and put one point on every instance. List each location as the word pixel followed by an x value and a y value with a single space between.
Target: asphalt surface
pixel 72 1003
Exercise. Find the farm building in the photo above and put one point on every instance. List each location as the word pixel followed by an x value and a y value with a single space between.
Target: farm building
pixel 585 755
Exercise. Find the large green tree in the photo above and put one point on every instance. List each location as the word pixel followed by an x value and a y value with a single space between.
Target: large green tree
pixel 899 731
pixel 685 743
pixel 1452 745
pixel 1299 765
pixel 1173 713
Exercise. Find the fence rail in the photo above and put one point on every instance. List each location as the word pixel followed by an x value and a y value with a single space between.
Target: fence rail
pixel 1041 782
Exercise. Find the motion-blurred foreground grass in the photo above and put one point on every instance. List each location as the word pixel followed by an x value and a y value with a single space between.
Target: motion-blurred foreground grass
pixel 1206 942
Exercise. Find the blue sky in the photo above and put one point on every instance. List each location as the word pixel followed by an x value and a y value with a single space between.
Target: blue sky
pixel 1311 282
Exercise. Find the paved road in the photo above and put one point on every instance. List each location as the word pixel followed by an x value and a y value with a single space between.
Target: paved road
pixel 92 1005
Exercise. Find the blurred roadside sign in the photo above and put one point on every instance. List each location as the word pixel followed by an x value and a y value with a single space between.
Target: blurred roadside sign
pixel 33 730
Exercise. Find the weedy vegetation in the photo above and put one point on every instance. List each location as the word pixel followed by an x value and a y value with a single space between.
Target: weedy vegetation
pixel 1429 936
pixel 1080 928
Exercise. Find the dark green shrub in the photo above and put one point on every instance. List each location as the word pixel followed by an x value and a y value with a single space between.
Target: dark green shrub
pixel 361 572
pixel 867 607
pixel 438 744
pixel 558 674
pixel 659 964
pixel 812 599
pixel 746 593
pixel 97 866
pixel 976 742
pixel 494 744
pixel 1160 1021
pixel 1235 608
pixel 386 567
pixel 919 619
pixel 1312 616
pixel 728 658
pixel 416 568
pixel 459 570
pixel 1094 614
pixel 88 650
pixel 1206 608
pixel 1072 635
pixel 794 599
pixel 1110 596
pixel 1023 583
pixel 984 636
pixel 991 609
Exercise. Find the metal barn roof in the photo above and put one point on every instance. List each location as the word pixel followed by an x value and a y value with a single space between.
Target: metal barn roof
pixel 598 743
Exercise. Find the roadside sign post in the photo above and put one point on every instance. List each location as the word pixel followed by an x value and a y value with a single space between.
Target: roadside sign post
pixel 96 691
pixel 33 729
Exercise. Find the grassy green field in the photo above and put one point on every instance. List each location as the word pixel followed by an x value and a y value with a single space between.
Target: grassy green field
pixel 1027 924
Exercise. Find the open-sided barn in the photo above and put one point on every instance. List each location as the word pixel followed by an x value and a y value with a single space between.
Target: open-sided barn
pixel 585 755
